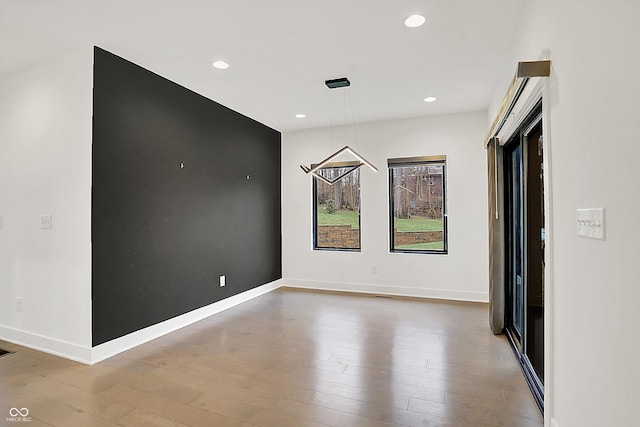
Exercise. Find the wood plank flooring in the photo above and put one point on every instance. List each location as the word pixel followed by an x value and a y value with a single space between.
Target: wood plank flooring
pixel 289 358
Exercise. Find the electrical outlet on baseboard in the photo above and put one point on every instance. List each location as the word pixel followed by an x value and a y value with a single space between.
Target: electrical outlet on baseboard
pixel 18 304
pixel 223 281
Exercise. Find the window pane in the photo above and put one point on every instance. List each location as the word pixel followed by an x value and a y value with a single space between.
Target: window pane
pixel 337 210
pixel 418 207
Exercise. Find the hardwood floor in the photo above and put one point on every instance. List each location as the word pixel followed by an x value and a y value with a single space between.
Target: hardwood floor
pixel 289 358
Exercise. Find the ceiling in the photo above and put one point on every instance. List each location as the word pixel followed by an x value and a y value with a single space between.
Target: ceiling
pixel 281 51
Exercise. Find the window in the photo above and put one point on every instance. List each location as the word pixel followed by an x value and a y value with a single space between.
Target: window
pixel 418 216
pixel 336 208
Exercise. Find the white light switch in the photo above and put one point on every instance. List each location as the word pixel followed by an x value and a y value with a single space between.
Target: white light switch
pixel 591 223
pixel 46 222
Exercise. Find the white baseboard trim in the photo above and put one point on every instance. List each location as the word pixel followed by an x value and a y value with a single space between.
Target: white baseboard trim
pixel 388 290
pixel 49 345
pixel 101 352
pixel 118 345
pixel 88 355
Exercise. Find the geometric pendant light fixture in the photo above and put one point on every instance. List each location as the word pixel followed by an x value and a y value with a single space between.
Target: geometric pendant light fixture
pixel 361 161
pixel 314 169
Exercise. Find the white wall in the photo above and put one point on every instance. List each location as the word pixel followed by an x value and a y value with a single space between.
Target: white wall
pixel 45 168
pixel 594 148
pixel 462 274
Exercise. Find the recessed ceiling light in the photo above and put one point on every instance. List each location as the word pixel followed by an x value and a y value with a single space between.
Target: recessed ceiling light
pixel 220 65
pixel 414 21
pixel 300 116
pixel 430 99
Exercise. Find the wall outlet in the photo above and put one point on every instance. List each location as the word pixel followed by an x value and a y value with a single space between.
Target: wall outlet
pixel 18 304
pixel 46 222
pixel 374 269
pixel 0 221
pixel 223 281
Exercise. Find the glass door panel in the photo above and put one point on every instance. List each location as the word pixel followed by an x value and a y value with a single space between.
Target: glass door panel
pixel 517 299
pixel 535 251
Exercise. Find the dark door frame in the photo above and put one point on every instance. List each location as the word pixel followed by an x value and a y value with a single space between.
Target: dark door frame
pixel 519 342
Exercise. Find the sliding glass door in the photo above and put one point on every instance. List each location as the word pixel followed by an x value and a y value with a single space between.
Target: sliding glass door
pixel 524 243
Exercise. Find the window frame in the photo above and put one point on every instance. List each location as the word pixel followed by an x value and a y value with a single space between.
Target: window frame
pixel 418 161
pixel 314 208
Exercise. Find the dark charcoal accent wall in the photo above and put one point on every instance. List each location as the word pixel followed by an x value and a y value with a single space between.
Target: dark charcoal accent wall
pixel 161 234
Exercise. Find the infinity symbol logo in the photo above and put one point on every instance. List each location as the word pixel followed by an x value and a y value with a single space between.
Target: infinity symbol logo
pixel 14 412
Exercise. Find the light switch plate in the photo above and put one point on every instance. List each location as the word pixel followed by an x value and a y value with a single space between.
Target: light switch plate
pixel 46 222
pixel 591 223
